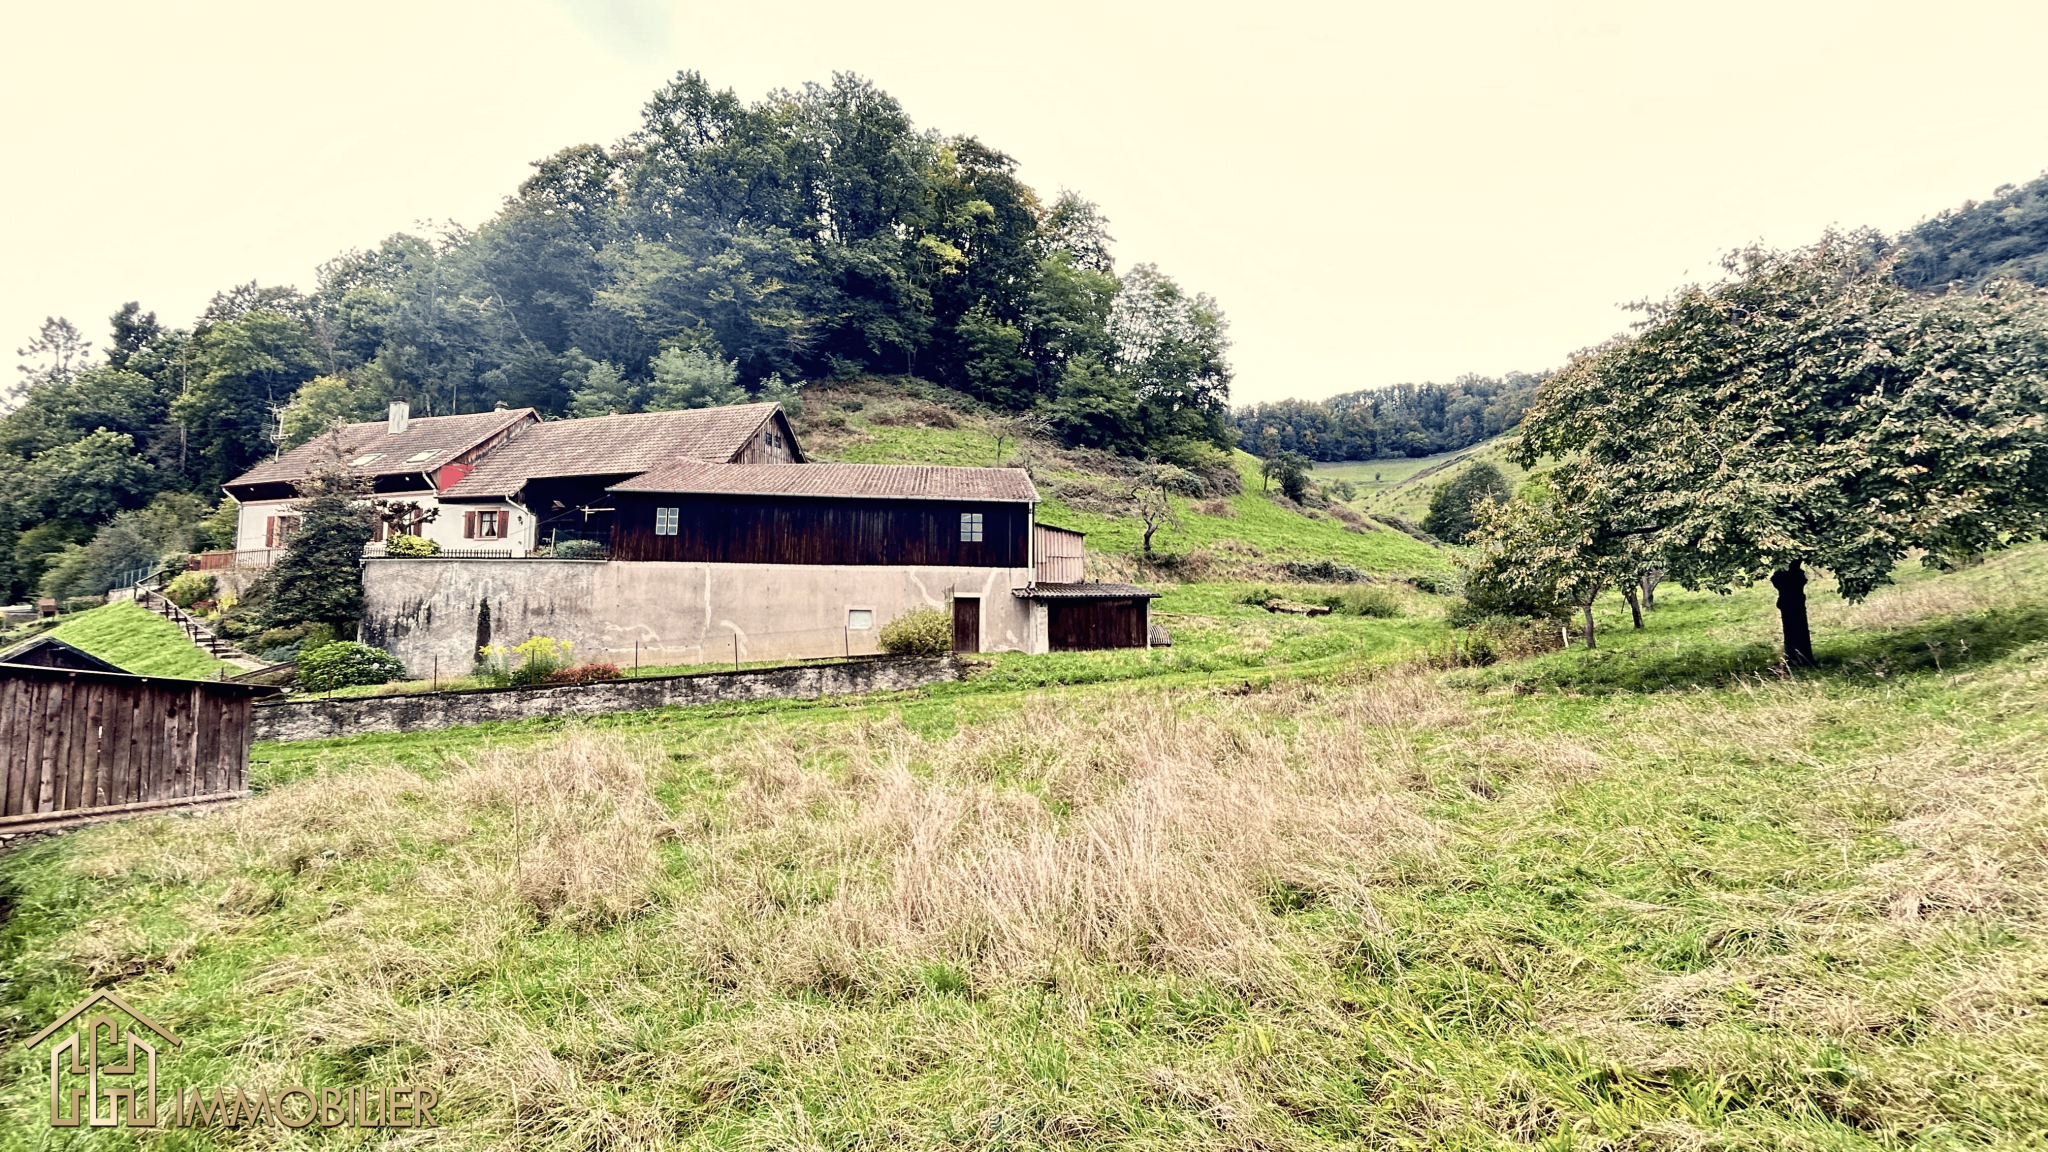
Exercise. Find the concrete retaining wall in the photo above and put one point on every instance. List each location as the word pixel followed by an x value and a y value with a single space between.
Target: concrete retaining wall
pixel 432 610
pixel 320 719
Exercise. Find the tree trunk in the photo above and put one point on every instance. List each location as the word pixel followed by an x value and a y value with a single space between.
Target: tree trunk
pixel 1649 580
pixel 1791 586
pixel 1635 604
pixel 1587 608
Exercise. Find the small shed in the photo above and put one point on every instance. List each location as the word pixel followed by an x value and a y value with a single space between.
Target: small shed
pixel 1083 617
pixel 79 745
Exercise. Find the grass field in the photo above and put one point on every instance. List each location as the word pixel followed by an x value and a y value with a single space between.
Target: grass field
pixel 1657 895
pixel 1403 487
pixel 140 641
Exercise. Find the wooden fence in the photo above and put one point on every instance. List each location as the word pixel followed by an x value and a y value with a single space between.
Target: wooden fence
pixel 78 746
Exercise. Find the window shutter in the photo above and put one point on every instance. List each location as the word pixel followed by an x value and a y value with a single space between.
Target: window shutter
pixel 270 532
pixel 469 525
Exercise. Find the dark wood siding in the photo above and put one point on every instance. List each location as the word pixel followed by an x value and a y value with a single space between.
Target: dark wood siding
pixel 81 743
pixel 1085 625
pixel 809 530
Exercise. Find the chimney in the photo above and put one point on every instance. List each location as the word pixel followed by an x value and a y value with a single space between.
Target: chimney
pixel 401 414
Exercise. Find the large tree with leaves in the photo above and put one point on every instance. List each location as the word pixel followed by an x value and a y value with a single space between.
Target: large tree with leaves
pixel 1808 413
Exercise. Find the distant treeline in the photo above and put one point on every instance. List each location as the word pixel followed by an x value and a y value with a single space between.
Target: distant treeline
pixel 1401 420
pixel 2006 235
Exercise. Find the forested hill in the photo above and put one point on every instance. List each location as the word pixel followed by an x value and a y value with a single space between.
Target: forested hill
pixel 724 249
pixel 1401 420
pixel 2006 235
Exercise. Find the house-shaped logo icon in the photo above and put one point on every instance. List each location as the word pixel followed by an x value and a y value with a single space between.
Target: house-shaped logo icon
pixel 104 1072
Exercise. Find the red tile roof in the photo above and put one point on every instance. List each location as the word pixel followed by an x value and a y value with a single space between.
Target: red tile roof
pixel 445 436
pixel 612 446
pixel 850 481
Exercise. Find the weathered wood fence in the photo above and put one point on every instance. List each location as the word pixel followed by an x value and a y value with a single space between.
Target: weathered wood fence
pixel 77 746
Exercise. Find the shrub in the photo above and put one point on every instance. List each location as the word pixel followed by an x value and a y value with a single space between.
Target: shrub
pixel 187 588
pixel 1372 600
pixel 411 546
pixel 81 603
pixel 919 632
pixel 345 663
pixel 1324 572
pixel 584 674
pixel 524 665
pixel 1437 583
pixel 1451 515
pixel 574 550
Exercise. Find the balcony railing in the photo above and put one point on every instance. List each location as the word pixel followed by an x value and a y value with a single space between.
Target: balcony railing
pixel 243 558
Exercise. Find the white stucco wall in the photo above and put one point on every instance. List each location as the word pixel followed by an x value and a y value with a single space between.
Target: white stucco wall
pixel 445 529
pixel 678 613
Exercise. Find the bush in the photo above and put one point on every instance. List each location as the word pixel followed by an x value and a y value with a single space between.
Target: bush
pixel 573 550
pixel 1372 601
pixel 411 546
pixel 919 632
pixel 584 674
pixel 81 603
pixel 1452 514
pixel 1324 572
pixel 344 664
pixel 188 588
pixel 524 665
pixel 1437 583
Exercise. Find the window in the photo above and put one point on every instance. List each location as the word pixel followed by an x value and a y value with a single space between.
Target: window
pixel 970 527
pixel 280 531
pixel 860 619
pixel 483 525
pixel 665 521
pixel 365 460
pixel 422 457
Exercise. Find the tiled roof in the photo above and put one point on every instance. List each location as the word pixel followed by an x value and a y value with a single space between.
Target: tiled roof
pixel 612 446
pixel 1084 592
pixel 872 481
pixel 446 437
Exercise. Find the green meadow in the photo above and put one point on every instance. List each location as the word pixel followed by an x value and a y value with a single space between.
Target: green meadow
pixel 1296 882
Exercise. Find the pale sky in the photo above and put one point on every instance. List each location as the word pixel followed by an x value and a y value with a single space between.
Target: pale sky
pixel 1375 192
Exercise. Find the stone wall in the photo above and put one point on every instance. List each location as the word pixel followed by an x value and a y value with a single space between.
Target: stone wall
pixel 434 610
pixel 355 716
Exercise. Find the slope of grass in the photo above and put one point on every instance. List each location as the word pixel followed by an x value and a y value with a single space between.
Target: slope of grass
pixel 141 642
pixel 1252 517
pixel 1404 486
pixel 1365 907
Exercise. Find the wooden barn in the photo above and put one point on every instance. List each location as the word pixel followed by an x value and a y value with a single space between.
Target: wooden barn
pixel 79 745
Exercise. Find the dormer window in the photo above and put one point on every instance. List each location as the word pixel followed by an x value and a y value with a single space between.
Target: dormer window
pixel 366 459
pixel 423 457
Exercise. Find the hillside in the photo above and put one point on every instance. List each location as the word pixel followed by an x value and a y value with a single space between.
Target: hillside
pixel 911 423
pixel 2006 235
pixel 1403 487
pixel 141 642
pixel 1651 895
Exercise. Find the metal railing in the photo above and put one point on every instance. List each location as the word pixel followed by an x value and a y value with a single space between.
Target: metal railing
pixel 242 558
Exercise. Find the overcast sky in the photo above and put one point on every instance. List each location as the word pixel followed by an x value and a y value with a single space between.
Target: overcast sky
pixel 1376 192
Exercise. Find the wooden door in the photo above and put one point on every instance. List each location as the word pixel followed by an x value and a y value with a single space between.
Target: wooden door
pixel 966 624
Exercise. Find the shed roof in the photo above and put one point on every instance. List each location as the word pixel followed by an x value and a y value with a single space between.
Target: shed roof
pixel 838 481
pixel 1084 592
pixel 49 652
pixel 614 446
pixel 446 437
pixel 210 687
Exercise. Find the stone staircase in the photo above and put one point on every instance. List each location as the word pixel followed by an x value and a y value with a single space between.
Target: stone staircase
pixel 198 633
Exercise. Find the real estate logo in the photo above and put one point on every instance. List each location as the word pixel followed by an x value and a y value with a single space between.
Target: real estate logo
pixel 104 1074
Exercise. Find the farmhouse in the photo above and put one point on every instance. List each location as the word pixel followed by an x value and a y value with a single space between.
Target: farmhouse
pixel 501 483
pixel 699 536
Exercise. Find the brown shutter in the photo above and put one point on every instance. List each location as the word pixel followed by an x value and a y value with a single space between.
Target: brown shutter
pixel 469 525
pixel 270 532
